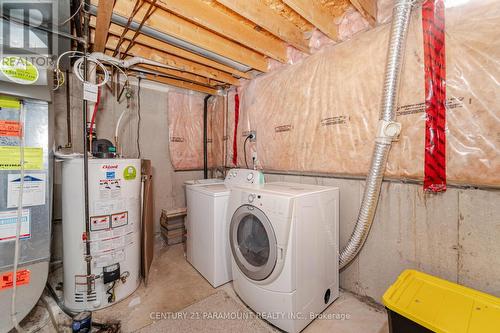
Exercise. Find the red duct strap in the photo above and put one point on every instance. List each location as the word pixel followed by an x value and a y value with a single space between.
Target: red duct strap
pixel 435 95
pixel 236 120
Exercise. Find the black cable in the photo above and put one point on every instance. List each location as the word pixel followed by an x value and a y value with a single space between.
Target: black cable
pixel 139 115
pixel 245 149
pixel 111 293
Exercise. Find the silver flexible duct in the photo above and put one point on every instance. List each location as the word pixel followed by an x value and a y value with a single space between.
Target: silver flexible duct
pixel 388 130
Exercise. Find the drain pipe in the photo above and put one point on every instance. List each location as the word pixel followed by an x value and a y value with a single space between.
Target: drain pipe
pixel 205 136
pixel 388 130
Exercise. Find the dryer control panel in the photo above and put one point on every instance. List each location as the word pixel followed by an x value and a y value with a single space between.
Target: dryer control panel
pixel 244 177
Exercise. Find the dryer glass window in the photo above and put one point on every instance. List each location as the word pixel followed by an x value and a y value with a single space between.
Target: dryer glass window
pixel 253 241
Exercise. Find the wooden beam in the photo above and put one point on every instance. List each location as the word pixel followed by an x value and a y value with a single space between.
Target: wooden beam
pixel 261 14
pixel 104 12
pixel 367 8
pixel 180 28
pixel 183 75
pixel 176 83
pixel 226 24
pixel 170 72
pixel 175 74
pixel 117 30
pixel 316 14
pixel 175 62
pixel 182 84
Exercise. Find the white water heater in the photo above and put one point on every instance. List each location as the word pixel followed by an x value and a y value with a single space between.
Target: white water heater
pixel 114 237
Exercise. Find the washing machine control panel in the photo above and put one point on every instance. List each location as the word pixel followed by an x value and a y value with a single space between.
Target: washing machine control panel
pixel 244 177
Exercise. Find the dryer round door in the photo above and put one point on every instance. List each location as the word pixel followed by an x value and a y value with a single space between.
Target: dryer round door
pixel 253 242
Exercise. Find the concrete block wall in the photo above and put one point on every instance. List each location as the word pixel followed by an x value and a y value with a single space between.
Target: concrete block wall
pixel 452 235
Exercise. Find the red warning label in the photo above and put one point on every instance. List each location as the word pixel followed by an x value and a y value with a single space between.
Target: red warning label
pixel 7 281
pixel 120 219
pixel 99 223
pixel 10 128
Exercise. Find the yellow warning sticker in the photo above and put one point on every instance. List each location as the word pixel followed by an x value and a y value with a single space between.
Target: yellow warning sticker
pixel 9 102
pixel 10 158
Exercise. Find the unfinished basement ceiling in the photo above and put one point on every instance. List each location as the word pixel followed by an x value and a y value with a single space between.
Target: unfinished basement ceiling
pixel 212 44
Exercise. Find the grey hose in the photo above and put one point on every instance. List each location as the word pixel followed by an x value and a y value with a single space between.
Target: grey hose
pixel 395 54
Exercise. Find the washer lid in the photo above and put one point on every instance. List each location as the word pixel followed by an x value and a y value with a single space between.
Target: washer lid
pixel 200 182
pixel 215 190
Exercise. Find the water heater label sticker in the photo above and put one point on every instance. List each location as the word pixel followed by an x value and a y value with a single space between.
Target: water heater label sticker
pixel 8 222
pixel 110 188
pixel 119 220
pixel 33 190
pixel 106 207
pixel 10 128
pixel 22 277
pixel 129 173
pixel 9 158
pixel 99 223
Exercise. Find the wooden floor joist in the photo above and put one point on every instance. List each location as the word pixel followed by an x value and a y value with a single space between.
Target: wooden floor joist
pixel 103 21
pixel 177 82
pixel 182 84
pixel 261 14
pixel 183 75
pixel 367 8
pixel 228 25
pixel 117 30
pixel 316 14
pixel 176 62
pixel 178 27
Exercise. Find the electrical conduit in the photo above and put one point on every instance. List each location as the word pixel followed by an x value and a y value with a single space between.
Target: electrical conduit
pixel 388 130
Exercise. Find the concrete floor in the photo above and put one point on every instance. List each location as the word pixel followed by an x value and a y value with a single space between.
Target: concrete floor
pixel 174 285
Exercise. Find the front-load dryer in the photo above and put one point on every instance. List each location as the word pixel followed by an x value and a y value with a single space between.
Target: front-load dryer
pixel 207 244
pixel 285 252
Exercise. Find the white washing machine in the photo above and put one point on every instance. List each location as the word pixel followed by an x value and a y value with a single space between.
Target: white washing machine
pixel 207 245
pixel 285 250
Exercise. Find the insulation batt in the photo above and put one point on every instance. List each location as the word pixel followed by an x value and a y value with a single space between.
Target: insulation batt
pixel 185 118
pixel 320 115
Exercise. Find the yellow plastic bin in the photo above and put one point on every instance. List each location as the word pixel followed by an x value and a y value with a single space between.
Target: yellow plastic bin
pixel 419 302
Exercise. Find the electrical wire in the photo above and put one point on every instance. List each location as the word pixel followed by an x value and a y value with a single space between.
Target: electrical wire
pixel 78 71
pixel 245 149
pixel 117 129
pixel 59 75
pixel 92 121
pixel 111 292
pixel 139 118
pixel 13 312
pixel 77 11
